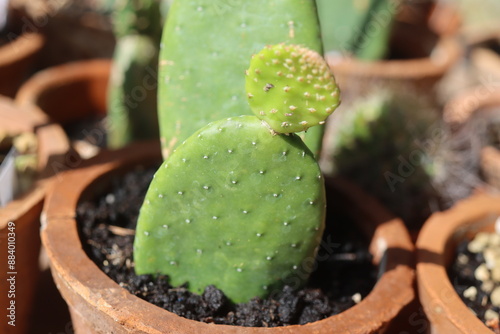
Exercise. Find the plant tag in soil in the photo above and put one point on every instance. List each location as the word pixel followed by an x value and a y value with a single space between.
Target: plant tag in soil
pixel 4 4
pixel 8 177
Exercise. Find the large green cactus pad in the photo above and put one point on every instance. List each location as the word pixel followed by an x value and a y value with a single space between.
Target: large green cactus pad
pixel 291 88
pixel 206 48
pixel 236 207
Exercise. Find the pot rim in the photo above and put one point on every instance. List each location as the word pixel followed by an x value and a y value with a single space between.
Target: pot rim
pixel 61 240
pixel 446 53
pixel 59 76
pixel 461 109
pixel 24 46
pixel 464 105
pixel 441 303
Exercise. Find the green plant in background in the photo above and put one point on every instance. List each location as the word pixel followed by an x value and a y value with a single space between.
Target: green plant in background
pixel 132 90
pixel 205 48
pixel 388 144
pixel 241 203
pixel 357 27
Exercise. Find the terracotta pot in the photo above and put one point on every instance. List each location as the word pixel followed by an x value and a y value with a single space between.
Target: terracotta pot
pixel 68 92
pixel 99 305
pixel 71 93
pixel 18 56
pixel 74 30
pixel 490 165
pixel 77 34
pixel 484 102
pixel 424 54
pixel 442 18
pixel 435 251
pixel 22 215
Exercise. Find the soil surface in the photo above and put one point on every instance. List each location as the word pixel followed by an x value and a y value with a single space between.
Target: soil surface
pixel 343 277
pixel 91 130
pixel 493 44
pixel 471 288
pixel 9 33
pixel 3 40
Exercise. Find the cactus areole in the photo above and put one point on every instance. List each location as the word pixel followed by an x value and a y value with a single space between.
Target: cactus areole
pixel 240 205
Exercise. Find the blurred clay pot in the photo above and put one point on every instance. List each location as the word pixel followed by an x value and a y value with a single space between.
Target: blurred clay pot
pixel 483 102
pixel 423 48
pixel 20 218
pixel 69 94
pixel 436 246
pixel 19 54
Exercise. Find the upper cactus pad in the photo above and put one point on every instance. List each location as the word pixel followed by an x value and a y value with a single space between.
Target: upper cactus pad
pixel 291 88
pixel 202 86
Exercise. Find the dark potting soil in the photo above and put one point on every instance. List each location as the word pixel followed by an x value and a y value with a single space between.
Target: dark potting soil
pixel 3 37
pixel 491 123
pixel 462 276
pixel 3 40
pixel 493 44
pixel 91 130
pixel 10 32
pixel 345 270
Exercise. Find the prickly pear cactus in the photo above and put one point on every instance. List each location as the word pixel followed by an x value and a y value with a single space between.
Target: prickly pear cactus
pixel 233 206
pixel 358 27
pixel 291 88
pixel 206 45
pixel 388 144
pixel 142 17
pixel 132 89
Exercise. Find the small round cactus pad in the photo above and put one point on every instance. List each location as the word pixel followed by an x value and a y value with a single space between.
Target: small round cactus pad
pixel 291 88
pixel 236 207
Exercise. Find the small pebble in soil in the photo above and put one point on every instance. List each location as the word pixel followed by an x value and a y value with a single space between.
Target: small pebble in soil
pixel 490 315
pixel 470 293
pixel 475 275
pixel 482 273
pixel 88 135
pixel 479 243
pixel 343 279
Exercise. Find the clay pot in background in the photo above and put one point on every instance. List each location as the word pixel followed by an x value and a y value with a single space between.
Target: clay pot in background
pixel 484 56
pixel 70 93
pixel 440 17
pixel 77 36
pixel 74 30
pixel 480 102
pixel 420 55
pixel 436 247
pixel 20 218
pixel 99 305
pixel 19 54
